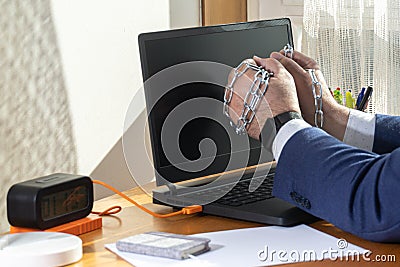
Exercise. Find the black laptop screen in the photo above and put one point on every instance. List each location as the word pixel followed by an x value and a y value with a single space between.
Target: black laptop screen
pixel 228 45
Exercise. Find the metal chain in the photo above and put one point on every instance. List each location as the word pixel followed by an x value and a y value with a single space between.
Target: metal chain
pixel 261 78
pixel 316 86
pixel 288 50
pixel 256 91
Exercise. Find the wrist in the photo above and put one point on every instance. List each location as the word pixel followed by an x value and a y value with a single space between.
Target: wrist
pixel 273 125
pixel 283 118
pixel 336 118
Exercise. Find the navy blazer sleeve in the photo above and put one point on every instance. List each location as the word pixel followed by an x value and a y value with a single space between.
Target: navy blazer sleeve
pixel 357 190
pixel 387 134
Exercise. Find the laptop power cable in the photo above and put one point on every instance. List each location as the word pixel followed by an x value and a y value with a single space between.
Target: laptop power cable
pixel 112 210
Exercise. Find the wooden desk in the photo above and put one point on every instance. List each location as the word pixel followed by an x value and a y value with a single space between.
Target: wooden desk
pixel 131 221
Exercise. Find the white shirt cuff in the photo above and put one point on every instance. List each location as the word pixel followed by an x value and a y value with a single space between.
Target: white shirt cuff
pixel 285 133
pixel 360 130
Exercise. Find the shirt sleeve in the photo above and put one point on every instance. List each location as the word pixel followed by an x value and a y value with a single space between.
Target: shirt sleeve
pixel 360 130
pixel 285 133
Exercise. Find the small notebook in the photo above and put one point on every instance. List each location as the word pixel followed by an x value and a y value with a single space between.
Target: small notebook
pixel 162 244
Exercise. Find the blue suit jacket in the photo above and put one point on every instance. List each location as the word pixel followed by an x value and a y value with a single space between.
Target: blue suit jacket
pixel 357 190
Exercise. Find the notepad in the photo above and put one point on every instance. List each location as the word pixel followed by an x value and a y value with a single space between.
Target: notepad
pixel 165 245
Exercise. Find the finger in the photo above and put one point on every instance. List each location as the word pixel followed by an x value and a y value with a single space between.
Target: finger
pixel 304 61
pixel 257 60
pixel 294 68
pixel 270 64
pixel 249 61
pixel 250 73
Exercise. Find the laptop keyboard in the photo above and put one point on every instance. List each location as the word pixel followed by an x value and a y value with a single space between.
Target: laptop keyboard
pixel 239 194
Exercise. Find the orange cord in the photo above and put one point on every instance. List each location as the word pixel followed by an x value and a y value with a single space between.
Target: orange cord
pixel 110 211
pixel 186 210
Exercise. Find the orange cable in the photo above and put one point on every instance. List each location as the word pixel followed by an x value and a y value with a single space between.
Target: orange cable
pixel 110 211
pixel 186 210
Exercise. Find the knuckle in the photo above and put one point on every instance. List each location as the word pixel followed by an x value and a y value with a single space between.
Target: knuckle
pixel 266 61
pixel 311 62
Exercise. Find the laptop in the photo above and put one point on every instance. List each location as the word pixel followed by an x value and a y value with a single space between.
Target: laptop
pixel 198 158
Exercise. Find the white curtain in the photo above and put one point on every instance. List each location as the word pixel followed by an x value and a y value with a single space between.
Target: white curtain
pixel 357 44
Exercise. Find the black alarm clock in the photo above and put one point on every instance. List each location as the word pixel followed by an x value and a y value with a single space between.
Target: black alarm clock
pixel 49 201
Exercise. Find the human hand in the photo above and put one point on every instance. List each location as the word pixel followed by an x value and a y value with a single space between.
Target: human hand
pixel 280 96
pixel 335 115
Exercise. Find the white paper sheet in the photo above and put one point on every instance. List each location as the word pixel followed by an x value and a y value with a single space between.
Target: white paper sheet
pixel 262 246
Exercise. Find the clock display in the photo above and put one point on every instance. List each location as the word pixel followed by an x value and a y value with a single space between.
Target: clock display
pixel 64 202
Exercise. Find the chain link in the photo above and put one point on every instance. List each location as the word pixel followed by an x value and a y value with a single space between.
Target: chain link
pixel 316 88
pixel 257 90
pixel 288 50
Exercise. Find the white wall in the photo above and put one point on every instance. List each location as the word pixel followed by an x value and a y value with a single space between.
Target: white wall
pixel 98 45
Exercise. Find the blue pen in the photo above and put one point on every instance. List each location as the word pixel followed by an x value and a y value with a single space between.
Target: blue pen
pixel 364 101
pixel 360 97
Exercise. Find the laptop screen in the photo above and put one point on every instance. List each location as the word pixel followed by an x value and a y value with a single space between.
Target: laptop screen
pixel 203 143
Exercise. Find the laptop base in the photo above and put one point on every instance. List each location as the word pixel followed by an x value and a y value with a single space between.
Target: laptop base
pixel 272 211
